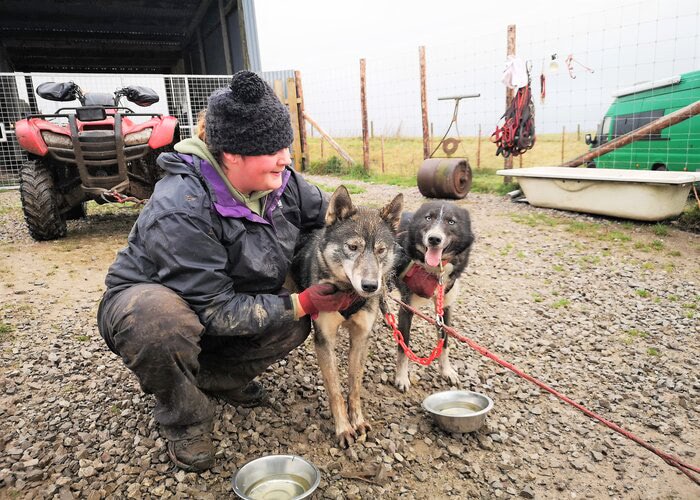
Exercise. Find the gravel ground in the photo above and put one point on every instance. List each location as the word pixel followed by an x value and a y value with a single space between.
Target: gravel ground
pixel 604 311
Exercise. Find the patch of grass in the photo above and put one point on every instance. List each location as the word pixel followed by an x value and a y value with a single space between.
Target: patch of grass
pixel 660 229
pixel 82 338
pixel 534 220
pixel 690 305
pixel 648 265
pixel 618 236
pixel 653 351
pixel 657 245
pixel 637 333
pixel 537 297
pixel 521 255
pixel 640 245
pixel 487 181
pixel 642 293
pixel 673 298
pixel 558 268
pixel 506 249
pixel 689 314
pixel 352 188
pixel 5 331
pixel 114 410
pixel 589 260
pixel 404 155
pixel 597 231
pixel 561 303
pixel 674 253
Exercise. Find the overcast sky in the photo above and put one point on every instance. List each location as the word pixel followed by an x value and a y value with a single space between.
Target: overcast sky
pixel 308 34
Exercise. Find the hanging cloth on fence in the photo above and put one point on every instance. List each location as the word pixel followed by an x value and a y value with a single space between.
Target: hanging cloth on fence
pixel 515 133
pixel 515 74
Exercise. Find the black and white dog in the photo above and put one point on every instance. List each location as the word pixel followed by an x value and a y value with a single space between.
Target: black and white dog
pixel 435 240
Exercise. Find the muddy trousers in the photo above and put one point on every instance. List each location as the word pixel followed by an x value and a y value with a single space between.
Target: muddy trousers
pixel 160 338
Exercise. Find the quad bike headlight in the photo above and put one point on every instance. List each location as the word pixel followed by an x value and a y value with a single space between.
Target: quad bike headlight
pixel 137 138
pixel 54 140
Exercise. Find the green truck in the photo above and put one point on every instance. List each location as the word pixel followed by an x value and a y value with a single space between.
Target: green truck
pixel 674 148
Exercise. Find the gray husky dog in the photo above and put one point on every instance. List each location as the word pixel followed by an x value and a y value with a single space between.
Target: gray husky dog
pixel 354 251
pixel 437 236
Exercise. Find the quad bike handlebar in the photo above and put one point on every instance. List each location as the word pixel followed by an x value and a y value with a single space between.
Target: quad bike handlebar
pixel 69 91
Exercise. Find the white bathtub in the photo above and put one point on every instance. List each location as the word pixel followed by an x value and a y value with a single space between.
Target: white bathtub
pixel 631 194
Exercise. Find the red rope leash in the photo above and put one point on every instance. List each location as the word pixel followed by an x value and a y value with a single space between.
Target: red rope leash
pixel 669 459
pixel 398 336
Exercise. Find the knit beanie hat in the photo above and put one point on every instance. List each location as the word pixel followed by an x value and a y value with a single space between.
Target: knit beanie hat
pixel 247 118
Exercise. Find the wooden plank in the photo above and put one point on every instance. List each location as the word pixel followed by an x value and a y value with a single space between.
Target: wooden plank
pixel 279 90
pixel 330 140
pixel 650 128
pixel 294 115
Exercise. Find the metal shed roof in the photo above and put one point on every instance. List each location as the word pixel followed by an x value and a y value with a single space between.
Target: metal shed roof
pixel 144 36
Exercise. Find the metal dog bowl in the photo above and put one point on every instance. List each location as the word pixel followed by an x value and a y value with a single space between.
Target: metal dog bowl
pixel 276 477
pixel 458 411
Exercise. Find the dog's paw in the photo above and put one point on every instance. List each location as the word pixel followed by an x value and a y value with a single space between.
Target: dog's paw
pixel 401 382
pixel 362 428
pixel 450 374
pixel 346 438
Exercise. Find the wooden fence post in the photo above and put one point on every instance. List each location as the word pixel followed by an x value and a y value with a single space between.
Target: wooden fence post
pixel 563 132
pixel 294 116
pixel 302 121
pixel 382 154
pixel 478 149
pixel 424 103
pixel 508 162
pixel 363 104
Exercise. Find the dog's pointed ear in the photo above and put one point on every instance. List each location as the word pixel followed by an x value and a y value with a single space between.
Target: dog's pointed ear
pixel 391 213
pixel 340 206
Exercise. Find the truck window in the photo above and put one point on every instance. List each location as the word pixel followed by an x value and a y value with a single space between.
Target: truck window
pixel 628 123
pixel 604 131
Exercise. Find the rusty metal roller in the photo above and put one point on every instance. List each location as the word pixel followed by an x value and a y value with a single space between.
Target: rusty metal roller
pixel 445 178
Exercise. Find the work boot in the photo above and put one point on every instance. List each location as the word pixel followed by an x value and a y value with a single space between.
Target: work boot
pixel 192 454
pixel 248 396
pixel 190 446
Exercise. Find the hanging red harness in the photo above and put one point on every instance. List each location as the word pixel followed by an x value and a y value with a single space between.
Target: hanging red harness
pixel 517 133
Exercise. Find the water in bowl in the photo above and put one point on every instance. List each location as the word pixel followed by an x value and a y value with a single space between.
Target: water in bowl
pixel 458 409
pixel 278 487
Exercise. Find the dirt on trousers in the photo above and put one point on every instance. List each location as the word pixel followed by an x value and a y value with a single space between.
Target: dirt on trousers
pixel 604 311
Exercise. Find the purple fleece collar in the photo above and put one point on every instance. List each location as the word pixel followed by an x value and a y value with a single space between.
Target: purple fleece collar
pixel 228 206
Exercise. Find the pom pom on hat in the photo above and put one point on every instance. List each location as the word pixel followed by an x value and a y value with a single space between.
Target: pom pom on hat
pixel 247 118
pixel 247 87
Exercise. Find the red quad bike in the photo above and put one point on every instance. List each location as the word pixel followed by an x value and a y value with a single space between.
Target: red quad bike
pixel 91 152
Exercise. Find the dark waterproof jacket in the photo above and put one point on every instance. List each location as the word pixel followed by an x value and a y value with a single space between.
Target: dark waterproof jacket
pixel 228 263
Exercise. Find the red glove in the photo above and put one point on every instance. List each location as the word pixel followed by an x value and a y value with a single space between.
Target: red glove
pixel 420 281
pixel 325 297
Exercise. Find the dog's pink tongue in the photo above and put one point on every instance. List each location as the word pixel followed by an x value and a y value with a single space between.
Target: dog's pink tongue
pixel 433 256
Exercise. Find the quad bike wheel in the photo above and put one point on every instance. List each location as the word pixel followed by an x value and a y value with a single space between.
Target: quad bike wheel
pixel 40 202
